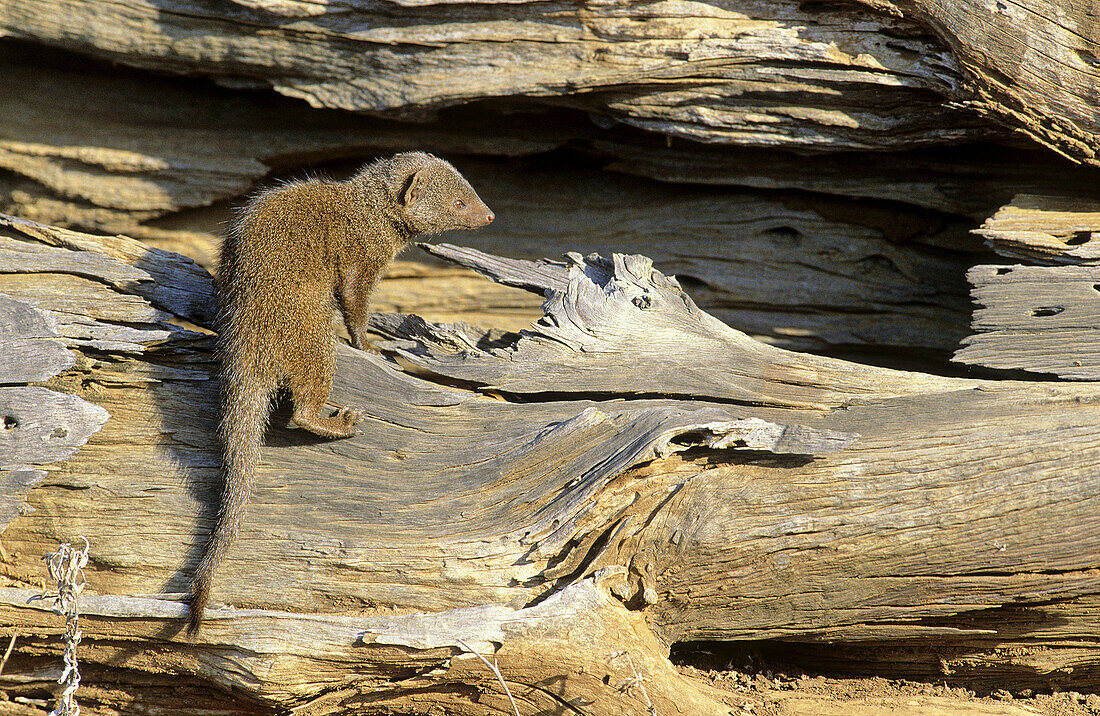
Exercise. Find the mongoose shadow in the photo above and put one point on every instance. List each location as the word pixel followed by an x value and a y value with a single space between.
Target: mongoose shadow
pixel 296 256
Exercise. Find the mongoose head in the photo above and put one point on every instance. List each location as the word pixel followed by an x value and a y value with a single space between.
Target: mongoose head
pixel 432 195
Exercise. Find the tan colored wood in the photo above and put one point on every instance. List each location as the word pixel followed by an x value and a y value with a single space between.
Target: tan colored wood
pixel 1046 229
pixel 799 75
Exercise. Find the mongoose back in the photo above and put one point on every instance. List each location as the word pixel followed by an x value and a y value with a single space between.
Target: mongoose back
pixel 295 255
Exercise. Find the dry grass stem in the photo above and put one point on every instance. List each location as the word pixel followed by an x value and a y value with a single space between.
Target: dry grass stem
pixel 496 672
pixel 11 645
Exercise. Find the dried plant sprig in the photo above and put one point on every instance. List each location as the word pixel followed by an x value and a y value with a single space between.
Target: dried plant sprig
pixel 66 566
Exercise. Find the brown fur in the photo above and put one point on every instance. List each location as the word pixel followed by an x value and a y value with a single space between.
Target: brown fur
pixel 295 255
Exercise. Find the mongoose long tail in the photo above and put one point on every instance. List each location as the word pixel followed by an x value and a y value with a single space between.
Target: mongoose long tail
pixel 248 405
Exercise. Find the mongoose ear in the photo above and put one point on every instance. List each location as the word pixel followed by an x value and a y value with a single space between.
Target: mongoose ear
pixel 418 186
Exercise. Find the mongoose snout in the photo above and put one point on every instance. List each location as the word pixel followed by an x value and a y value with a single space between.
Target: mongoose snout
pixel 295 255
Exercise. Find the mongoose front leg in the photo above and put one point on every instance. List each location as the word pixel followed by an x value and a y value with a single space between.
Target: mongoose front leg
pixel 355 293
pixel 310 384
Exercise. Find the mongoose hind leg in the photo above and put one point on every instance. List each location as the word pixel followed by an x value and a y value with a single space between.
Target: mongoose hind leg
pixel 310 386
pixel 340 425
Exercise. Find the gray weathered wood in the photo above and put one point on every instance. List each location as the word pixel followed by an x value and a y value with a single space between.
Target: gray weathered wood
pixel 37 426
pixel 969 180
pixel 1041 319
pixel 856 78
pixel 766 74
pixel 177 146
pixel 842 279
pixel 41 426
pixel 14 486
pixel 1035 64
pixel 603 314
pixel 792 273
pixel 29 349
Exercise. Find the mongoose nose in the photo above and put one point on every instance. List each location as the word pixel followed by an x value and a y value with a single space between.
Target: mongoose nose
pixel 489 218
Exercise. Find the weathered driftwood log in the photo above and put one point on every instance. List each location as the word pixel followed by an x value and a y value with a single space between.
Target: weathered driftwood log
pixel 765 73
pixel 805 75
pixel 626 475
pixel 93 145
pixel 1039 318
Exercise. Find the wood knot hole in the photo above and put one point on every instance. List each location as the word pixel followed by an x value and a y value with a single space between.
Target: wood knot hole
pixel 1045 311
pixel 1087 57
pixel 643 302
pixel 1078 238
pixel 10 423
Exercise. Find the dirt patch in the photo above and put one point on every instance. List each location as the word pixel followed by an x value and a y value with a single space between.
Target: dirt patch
pixel 777 694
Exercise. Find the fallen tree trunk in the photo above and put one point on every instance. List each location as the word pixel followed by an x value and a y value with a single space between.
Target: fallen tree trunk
pixel 628 476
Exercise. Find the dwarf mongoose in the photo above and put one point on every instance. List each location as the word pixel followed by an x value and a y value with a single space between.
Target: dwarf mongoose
pixel 293 256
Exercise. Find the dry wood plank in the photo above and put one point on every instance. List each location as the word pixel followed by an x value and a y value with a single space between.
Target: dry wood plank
pixel 1041 319
pixel 477 504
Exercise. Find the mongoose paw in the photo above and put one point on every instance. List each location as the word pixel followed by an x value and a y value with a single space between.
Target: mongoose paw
pixel 349 417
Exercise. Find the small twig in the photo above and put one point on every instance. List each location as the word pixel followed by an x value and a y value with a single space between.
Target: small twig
pixel 11 645
pixel 496 671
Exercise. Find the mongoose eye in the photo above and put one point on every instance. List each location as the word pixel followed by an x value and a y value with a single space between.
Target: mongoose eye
pixel 459 204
